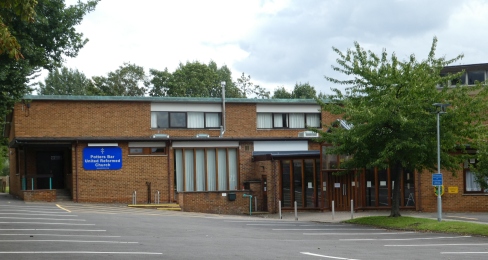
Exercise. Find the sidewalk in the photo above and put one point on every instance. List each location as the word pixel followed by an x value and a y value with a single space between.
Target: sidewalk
pixel 339 216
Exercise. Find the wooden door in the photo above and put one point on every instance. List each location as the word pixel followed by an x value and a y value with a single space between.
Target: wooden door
pixel 341 191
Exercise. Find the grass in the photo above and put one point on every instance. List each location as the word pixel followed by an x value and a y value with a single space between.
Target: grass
pixel 423 225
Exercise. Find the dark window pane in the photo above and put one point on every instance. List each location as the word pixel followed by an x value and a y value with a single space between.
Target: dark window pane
pixel 383 188
pixel 297 182
pixel 286 198
pixel 161 119
pixel 177 119
pixel 408 188
pixel 310 184
pixel 461 80
pixel 370 188
pixel 474 76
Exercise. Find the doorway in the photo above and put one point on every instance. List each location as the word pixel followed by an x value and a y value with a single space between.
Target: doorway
pixel 264 183
pixel 341 190
pixel 50 165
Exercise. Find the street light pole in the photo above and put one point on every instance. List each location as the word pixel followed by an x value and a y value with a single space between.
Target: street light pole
pixel 441 110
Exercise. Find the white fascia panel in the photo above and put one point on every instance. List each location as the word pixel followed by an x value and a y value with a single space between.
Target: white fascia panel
pixel 186 144
pixel 269 108
pixel 276 146
pixel 184 107
pixel 103 144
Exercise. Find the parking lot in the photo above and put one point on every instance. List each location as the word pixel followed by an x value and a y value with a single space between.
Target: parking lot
pixel 80 231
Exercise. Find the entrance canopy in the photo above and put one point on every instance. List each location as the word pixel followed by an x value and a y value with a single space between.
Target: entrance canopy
pixel 274 155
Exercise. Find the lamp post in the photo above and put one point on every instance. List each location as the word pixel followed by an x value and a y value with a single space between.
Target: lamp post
pixel 441 109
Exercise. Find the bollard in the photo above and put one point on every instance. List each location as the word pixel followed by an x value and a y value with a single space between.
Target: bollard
pixel 333 213
pixel 250 202
pixel 352 209
pixel 32 183
pixel 255 203
pixel 279 208
pixel 296 214
pixel 134 198
pixel 50 183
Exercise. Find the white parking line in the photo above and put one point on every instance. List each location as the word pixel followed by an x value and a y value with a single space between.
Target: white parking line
pixel 68 241
pixel 400 239
pixel 33 211
pixel 54 229
pixel 56 235
pixel 421 245
pixel 46 223
pixel 43 219
pixel 321 229
pixel 80 252
pixel 52 215
pixel 327 256
pixel 356 234
pixel 458 253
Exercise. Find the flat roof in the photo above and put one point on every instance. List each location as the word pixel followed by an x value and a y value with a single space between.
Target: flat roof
pixel 169 99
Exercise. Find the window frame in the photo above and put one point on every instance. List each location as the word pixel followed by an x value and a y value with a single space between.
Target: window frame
pixel 466 169
pixel 285 119
pixel 172 114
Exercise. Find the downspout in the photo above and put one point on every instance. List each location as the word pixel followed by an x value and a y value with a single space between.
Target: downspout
pixel 222 127
pixel 76 169
pixel 169 174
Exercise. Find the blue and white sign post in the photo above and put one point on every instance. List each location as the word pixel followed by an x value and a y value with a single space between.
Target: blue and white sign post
pixel 438 179
pixel 102 158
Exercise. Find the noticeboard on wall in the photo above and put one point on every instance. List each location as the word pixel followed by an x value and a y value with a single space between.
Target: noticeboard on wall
pixel 102 158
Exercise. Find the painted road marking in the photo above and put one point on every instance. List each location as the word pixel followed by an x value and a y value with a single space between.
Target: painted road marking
pixel 458 253
pixel 27 214
pixel 80 252
pixel 401 239
pixel 355 234
pixel 59 206
pixel 46 223
pixel 69 241
pixel 327 256
pixel 321 229
pixel 462 217
pixel 55 229
pixel 420 245
pixel 57 219
pixel 54 235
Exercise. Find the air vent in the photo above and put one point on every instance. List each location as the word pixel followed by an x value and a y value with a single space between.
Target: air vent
pixel 160 136
pixel 308 134
pixel 202 136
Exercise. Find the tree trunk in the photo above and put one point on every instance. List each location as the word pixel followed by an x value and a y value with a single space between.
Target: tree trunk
pixel 396 173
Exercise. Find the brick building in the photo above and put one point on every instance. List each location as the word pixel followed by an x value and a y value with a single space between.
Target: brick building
pixel 205 154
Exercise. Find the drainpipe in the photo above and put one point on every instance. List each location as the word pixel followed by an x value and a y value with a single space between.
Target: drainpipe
pixel 250 202
pixel 76 169
pixel 222 127
pixel 169 174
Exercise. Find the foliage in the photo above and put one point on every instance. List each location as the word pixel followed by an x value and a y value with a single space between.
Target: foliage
pixel 64 81
pixel 4 163
pixel 193 79
pixel 45 40
pixel 10 10
pixel 301 91
pixel 128 80
pixel 246 87
pixel 390 105
pixel 423 224
pixel 281 93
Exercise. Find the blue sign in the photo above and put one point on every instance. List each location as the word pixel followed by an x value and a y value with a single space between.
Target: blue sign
pixel 437 179
pixel 102 158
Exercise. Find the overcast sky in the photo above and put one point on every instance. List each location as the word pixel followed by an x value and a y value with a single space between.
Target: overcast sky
pixel 276 42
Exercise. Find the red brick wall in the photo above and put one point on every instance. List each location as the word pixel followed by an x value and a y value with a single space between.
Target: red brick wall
pixel 451 202
pixel 214 202
pixel 39 195
pixel 118 185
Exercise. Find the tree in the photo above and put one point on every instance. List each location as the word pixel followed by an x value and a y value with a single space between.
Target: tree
pixel 304 91
pixel 64 81
pixel 20 9
pixel 246 87
pixel 193 79
pixel 282 93
pixel 128 80
pixel 45 40
pixel 389 104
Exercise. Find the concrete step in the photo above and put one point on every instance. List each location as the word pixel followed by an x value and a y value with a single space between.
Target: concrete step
pixel 164 206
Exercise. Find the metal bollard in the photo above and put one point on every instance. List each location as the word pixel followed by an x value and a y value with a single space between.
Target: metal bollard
pixel 296 214
pixel 333 213
pixel 279 208
pixel 134 198
pixel 352 209
pixel 156 197
pixel 255 203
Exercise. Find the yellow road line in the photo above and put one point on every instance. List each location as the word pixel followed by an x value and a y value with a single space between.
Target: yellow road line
pixel 59 206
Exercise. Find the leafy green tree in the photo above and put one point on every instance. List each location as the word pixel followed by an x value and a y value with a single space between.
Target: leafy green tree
pixel 4 163
pixel 282 93
pixel 304 91
pixel 246 87
pixel 389 104
pixel 10 10
pixel 128 80
pixel 193 79
pixel 64 81
pixel 46 36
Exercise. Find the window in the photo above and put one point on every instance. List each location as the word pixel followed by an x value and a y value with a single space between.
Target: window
pixel 147 148
pixel 206 169
pixel 193 120
pixel 471 184
pixel 287 120
pixel 474 76
pixel 461 80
